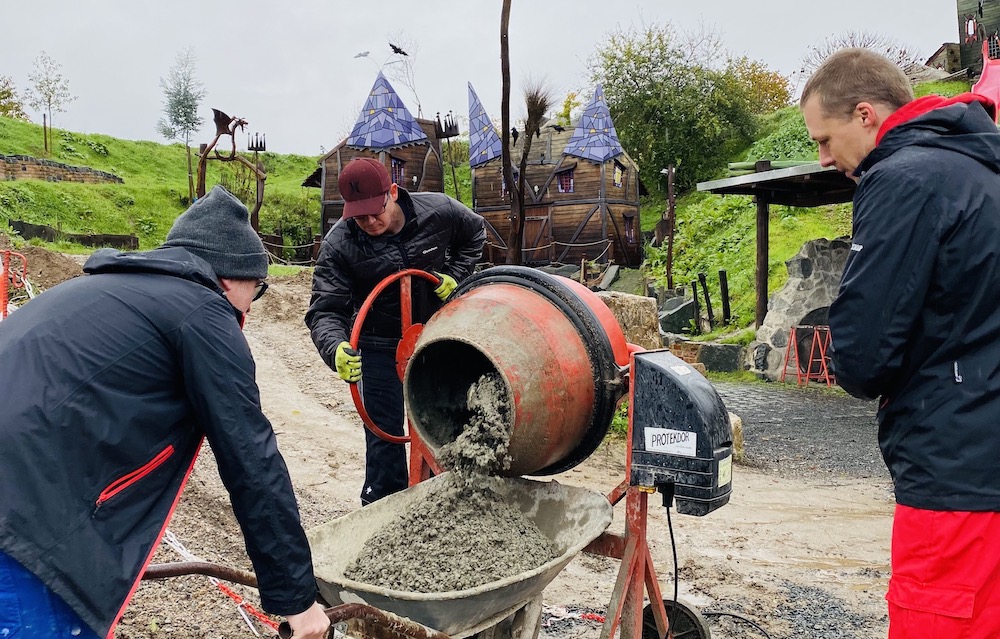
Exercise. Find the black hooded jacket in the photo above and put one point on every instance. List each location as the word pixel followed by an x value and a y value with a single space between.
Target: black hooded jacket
pixel 917 319
pixel 439 235
pixel 108 384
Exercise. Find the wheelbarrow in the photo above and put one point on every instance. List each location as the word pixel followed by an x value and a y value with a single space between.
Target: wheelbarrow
pixel 571 517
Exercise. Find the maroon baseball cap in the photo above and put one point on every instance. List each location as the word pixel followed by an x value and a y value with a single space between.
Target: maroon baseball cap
pixel 363 184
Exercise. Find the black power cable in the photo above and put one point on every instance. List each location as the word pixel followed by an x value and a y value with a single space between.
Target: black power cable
pixel 667 490
pixel 736 616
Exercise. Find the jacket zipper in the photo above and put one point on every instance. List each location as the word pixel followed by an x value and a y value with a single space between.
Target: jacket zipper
pixel 130 479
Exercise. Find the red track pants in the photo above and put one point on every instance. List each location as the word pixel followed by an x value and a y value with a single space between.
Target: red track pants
pixel 945 575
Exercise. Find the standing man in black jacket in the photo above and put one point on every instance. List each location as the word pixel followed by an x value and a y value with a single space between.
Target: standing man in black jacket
pixel 384 230
pixel 916 322
pixel 108 385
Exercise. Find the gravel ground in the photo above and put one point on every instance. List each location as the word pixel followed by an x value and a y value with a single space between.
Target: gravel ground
pixel 795 431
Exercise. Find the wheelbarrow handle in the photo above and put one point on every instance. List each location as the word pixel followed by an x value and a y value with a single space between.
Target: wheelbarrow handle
pixel 181 568
pixel 380 618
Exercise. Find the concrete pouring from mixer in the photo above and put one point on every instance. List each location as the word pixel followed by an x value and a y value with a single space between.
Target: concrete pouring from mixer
pixel 463 533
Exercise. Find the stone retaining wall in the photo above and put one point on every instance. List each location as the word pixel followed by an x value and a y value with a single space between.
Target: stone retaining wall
pixel 24 167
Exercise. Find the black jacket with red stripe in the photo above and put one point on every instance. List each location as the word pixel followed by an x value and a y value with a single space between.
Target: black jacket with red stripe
pixel 916 320
pixel 108 384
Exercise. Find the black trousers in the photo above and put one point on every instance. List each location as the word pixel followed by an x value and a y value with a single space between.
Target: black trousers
pixel 382 392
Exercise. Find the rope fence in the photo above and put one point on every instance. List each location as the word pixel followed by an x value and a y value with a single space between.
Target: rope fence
pixel 578 245
pixel 245 609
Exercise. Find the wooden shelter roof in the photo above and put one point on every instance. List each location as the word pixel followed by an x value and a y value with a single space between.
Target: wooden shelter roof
pixel 805 185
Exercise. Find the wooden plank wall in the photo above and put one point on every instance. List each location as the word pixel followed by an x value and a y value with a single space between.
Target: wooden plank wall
pixel 971 51
pixel 576 218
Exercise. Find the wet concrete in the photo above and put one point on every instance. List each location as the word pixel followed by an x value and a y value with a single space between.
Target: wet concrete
pixel 462 535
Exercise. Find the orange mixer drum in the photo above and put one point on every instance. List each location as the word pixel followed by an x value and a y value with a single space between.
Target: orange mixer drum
pixel 553 342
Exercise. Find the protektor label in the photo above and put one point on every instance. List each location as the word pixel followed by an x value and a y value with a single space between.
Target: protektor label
pixel 672 442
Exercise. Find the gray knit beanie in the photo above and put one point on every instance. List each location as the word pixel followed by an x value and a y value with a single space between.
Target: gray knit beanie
pixel 217 229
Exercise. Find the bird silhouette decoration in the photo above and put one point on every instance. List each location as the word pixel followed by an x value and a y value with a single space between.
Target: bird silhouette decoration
pixel 398 50
pixel 513 134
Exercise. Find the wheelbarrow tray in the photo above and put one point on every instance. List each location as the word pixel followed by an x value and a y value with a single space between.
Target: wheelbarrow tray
pixel 571 517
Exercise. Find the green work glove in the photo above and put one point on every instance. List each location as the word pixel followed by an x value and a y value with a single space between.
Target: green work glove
pixel 447 285
pixel 348 363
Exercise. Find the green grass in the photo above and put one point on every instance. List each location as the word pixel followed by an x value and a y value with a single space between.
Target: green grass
pixel 735 377
pixel 715 232
pixel 280 270
pixel 155 191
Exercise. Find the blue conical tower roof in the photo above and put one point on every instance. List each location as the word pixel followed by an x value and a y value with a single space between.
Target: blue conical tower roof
pixel 484 143
pixel 595 138
pixel 385 122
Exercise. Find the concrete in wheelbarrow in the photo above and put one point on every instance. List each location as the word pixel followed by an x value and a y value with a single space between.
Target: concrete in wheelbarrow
pixel 571 517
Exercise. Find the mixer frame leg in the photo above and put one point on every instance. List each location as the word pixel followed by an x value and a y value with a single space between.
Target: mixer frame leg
pixel 635 575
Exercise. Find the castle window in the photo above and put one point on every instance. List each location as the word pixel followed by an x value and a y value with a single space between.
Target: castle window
pixel 565 180
pixel 503 183
pixel 630 237
pixel 619 175
pixel 399 171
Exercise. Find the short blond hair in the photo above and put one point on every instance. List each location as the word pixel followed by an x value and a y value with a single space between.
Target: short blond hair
pixel 855 75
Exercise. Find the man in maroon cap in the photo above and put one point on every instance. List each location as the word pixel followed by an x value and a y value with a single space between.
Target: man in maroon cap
pixel 385 229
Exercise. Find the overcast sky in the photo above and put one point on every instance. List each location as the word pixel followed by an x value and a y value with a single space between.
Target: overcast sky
pixel 288 66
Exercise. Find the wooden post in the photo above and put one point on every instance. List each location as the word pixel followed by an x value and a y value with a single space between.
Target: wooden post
pixel 670 226
pixel 708 300
pixel 697 309
pixel 724 291
pixel 763 211
pixel 454 179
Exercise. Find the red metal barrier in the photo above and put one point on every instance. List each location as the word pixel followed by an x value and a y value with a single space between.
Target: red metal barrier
pixel 10 278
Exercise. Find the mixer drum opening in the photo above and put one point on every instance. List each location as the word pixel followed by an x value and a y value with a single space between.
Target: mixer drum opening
pixel 440 377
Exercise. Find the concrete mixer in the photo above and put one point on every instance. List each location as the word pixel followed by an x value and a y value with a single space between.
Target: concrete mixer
pixel 565 365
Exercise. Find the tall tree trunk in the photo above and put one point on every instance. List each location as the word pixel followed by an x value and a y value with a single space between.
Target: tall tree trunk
pixel 514 240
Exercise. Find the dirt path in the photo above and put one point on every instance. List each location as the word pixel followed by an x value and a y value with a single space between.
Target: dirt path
pixel 799 556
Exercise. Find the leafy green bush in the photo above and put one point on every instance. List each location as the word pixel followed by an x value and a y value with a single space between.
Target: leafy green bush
pixel 787 139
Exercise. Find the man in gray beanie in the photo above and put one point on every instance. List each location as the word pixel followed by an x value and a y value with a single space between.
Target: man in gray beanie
pixel 111 382
pixel 215 229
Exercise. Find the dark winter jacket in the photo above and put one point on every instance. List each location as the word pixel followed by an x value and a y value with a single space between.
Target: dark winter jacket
pixel 440 234
pixel 108 384
pixel 917 319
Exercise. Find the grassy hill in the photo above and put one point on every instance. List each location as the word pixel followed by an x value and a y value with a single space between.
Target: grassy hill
pixel 716 232
pixel 155 189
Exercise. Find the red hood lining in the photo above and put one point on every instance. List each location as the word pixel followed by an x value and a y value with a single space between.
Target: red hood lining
pixel 928 103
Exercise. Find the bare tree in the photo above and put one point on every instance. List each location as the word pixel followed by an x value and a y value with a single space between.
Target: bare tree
pixel 49 92
pixel 901 54
pixel 402 68
pixel 516 214
pixel 537 101
pixel 10 102
pixel 182 95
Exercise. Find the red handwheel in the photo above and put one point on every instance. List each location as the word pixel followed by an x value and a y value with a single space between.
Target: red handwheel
pixel 406 316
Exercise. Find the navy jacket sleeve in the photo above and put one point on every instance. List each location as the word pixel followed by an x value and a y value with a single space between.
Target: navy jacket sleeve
pixel 331 307
pixel 467 242
pixel 895 238
pixel 219 380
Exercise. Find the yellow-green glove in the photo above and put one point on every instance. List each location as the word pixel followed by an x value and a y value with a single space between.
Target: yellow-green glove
pixel 447 285
pixel 348 363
